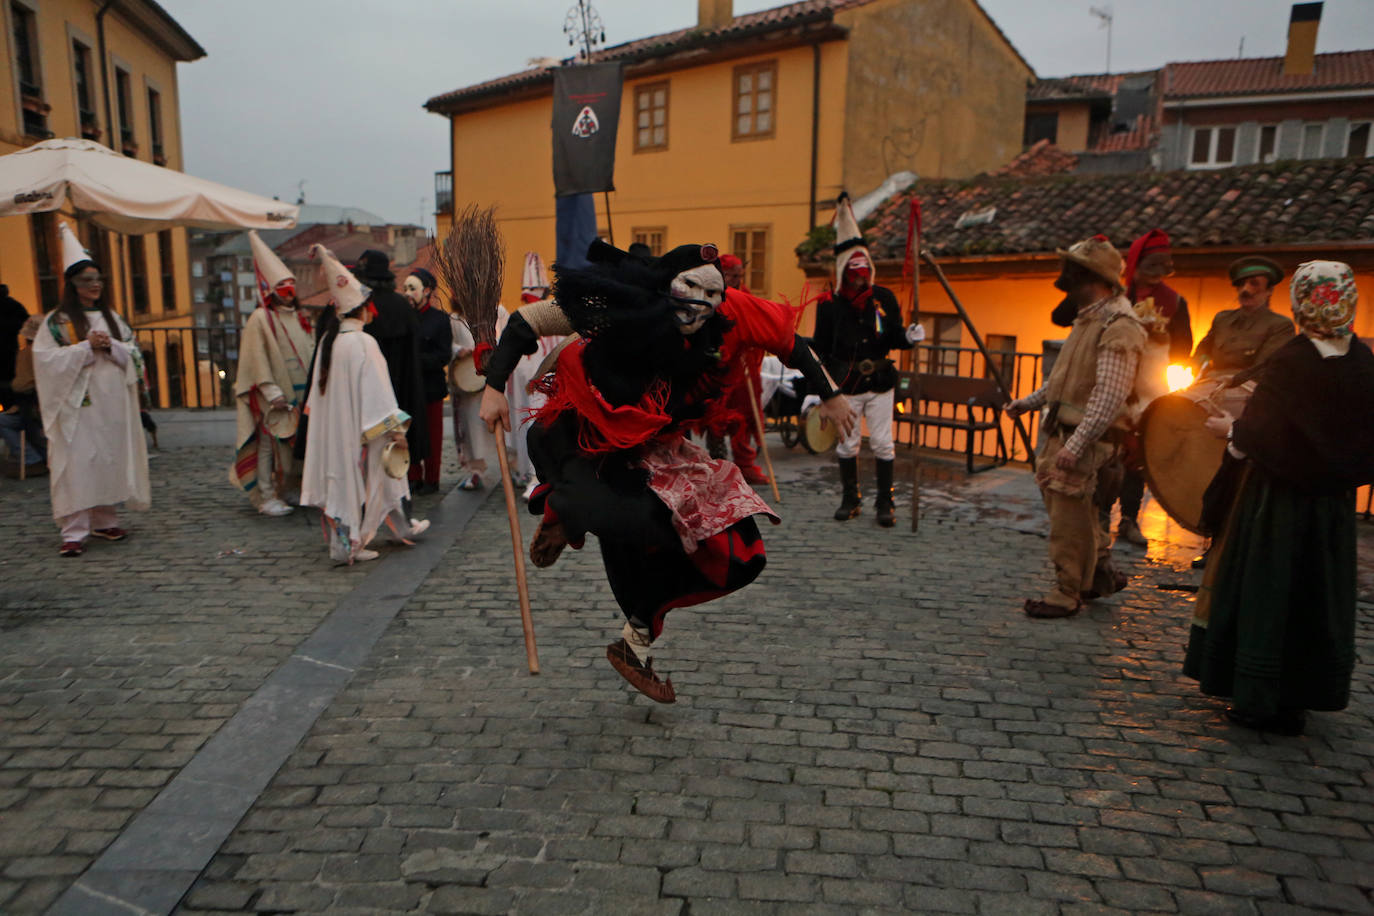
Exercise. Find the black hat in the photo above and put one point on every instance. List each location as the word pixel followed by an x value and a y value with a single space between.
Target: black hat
pixel 425 277
pixel 662 268
pixel 373 265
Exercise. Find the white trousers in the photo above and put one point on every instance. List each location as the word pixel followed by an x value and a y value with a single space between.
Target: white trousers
pixel 79 525
pixel 876 410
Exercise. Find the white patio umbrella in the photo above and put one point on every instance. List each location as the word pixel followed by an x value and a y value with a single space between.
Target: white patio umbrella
pixel 126 195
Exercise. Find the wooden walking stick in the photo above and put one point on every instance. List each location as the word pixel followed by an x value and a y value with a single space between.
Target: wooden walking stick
pixel 992 365
pixel 471 261
pixel 758 427
pixel 24 453
pixel 911 267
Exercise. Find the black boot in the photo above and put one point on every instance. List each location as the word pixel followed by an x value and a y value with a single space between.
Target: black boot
pixel 851 504
pixel 887 510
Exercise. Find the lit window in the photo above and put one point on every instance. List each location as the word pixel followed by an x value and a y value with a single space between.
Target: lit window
pixel 754 112
pixel 651 117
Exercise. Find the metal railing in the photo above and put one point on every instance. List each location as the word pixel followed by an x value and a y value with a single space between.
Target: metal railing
pixel 1021 371
pixel 189 367
pixel 443 192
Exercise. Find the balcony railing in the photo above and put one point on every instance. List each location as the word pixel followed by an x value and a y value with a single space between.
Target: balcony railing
pixel 190 367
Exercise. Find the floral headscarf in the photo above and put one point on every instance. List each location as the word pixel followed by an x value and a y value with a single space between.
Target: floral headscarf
pixel 1324 297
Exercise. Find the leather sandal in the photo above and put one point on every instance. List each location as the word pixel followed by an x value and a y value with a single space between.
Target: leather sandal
pixel 639 675
pixel 547 543
pixel 1043 610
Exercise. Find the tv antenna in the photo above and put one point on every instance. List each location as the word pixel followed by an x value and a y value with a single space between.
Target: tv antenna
pixel 300 192
pixel 1104 13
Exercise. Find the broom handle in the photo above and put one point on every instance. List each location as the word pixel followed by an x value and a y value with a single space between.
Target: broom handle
pixel 758 426
pixel 517 545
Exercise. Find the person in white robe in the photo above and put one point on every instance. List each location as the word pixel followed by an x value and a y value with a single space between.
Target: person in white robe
pixel 87 367
pixel 476 447
pixel 274 360
pixel 353 417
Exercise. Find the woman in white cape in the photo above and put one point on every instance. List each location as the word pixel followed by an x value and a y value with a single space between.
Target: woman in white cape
pixel 353 416
pixel 87 367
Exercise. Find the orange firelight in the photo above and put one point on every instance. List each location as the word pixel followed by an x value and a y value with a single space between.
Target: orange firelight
pixel 1178 377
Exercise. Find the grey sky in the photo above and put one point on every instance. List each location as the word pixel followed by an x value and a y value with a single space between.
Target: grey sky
pixel 330 91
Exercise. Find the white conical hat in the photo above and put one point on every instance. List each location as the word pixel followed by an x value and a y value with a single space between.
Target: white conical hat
pixel 848 239
pixel 271 270
pixel 535 277
pixel 348 293
pixel 72 250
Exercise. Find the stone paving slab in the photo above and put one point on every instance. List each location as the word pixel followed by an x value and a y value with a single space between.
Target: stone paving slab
pixel 871 727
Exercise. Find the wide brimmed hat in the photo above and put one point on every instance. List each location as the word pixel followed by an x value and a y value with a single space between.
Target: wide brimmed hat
pixel 282 421
pixel 849 240
pixel 270 268
pixel 348 293
pixel 396 459
pixel 1254 265
pixel 1098 255
pixel 374 265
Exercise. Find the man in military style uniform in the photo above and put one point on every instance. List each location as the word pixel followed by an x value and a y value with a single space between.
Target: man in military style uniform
pixel 1242 338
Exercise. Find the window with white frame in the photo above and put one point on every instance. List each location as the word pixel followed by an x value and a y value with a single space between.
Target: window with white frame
pixel 1313 135
pixel 1359 142
pixel 1267 148
pixel 1213 147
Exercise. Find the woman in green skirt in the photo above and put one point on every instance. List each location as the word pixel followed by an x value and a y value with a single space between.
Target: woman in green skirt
pixel 1274 628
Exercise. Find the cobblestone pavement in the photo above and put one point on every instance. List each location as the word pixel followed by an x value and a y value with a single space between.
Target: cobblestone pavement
pixel 873 726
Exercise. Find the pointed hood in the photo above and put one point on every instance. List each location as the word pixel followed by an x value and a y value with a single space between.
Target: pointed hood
pixel 347 292
pixel 73 254
pixel 535 279
pixel 848 239
pixel 270 269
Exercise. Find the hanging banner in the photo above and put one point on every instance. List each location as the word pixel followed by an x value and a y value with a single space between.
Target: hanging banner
pixel 586 112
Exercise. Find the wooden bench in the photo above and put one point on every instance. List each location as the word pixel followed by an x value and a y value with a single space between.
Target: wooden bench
pixel 932 390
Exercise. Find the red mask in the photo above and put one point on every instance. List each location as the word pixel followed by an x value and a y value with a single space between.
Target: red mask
pixel 285 291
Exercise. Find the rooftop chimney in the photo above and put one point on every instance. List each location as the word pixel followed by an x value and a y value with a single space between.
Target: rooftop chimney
pixel 716 14
pixel 1302 39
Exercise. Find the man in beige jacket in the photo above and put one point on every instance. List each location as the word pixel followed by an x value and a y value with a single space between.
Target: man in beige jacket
pixel 1089 398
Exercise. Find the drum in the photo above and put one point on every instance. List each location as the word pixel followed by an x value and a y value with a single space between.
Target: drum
pixel 1179 454
pixel 396 459
pixel 462 375
pixel 815 438
pixel 282 421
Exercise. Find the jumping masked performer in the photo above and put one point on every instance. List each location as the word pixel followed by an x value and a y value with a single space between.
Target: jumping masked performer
pixel 744 448
pixel 273 376
pixel 657 336
pixel 353 415
pixel 857 325
pixel 88 366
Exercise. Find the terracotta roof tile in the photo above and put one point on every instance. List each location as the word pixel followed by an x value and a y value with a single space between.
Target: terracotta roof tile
pixel 741 26
pixel 1342 70
pixel 1326 200
pixel 1043 158
pixel 1141 135
pixel 1087 86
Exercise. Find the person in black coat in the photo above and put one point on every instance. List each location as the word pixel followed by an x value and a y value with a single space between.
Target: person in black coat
pixel 436 348
pixel 397 330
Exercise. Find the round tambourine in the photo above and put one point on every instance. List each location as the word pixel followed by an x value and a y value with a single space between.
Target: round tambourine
pixel 462 375
pixel 815 436
pixel 282 421
pixel 396 459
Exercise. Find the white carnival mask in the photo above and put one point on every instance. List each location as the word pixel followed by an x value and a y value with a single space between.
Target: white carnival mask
pixel 696 293
pixel 414 290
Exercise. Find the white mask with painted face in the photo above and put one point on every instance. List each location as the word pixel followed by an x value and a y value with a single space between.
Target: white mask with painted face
pixel 415 290
pixel 697 293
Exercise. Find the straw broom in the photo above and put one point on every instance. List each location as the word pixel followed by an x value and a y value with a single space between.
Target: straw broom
pixel 471 262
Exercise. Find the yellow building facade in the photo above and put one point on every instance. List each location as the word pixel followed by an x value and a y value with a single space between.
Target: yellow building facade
pixel 71 72
pixel 743 130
